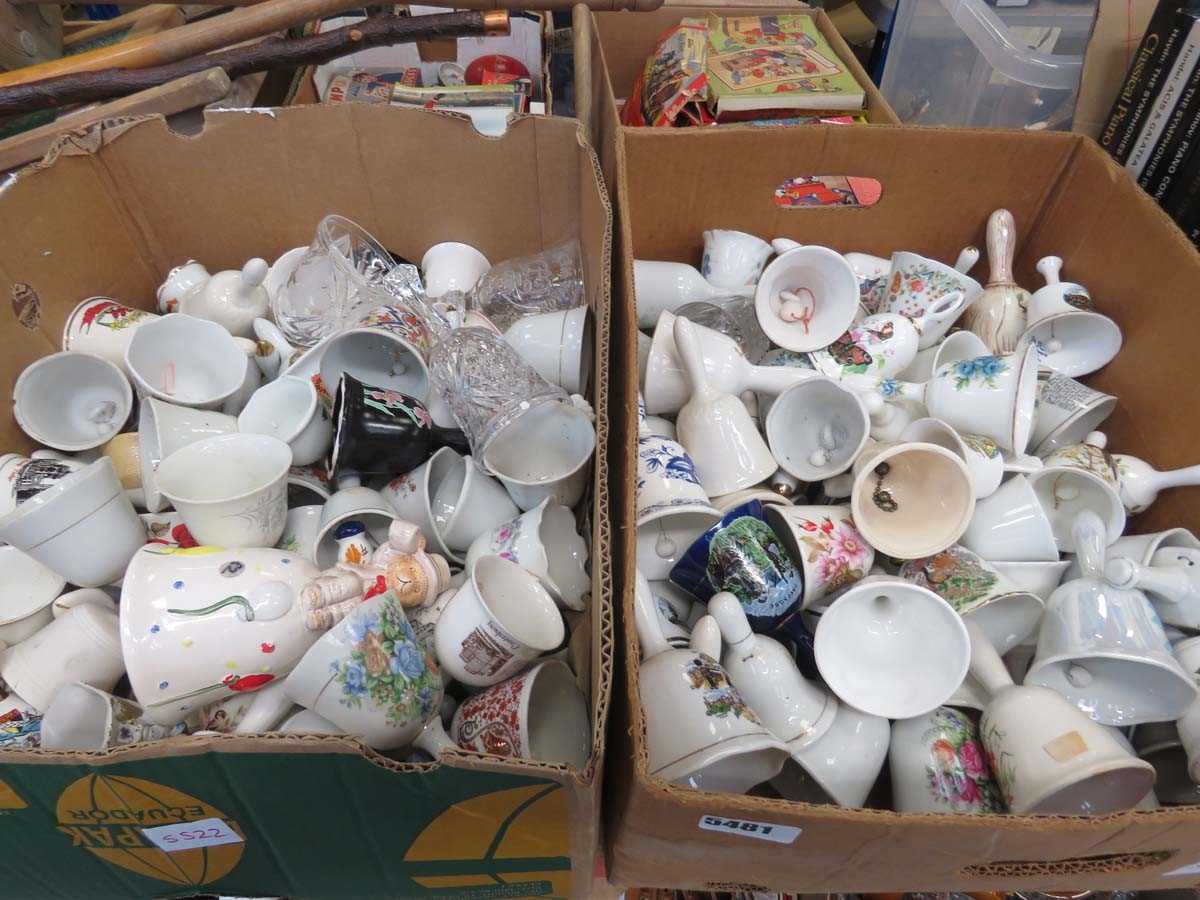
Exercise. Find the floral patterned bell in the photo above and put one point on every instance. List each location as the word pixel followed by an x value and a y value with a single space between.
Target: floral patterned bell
pixel 381 431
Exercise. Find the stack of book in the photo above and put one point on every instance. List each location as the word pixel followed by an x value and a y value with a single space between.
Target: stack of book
pixel 1154 126
pixel 767 69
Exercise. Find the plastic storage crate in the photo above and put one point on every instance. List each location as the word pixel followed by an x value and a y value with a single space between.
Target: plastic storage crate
pixel 964 62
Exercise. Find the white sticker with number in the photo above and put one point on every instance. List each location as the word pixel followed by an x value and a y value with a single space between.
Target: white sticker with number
pixel 763 831
pixel 191 835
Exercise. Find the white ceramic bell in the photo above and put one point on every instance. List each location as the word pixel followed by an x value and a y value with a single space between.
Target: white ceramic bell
pixel 232 299
pixel 1171 580
pixel 1048 757
pixel 991 396
pixel 715 428
pixel 180 281
pixel 1102 646
pixel 1071 337
pixel 806 298
pixel 699 730
pixel 882 345
pixel 1140 482
pixel 660 286
pixel 665 382
pixel 796 710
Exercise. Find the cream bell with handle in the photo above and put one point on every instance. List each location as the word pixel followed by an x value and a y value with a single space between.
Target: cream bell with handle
pixel 1048 757
pixel 794 708
pixel 998 316
pixel 716 429
pixel 699 730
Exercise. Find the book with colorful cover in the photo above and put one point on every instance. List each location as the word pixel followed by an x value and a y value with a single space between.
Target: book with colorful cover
pixel 672 86
pixel 776 62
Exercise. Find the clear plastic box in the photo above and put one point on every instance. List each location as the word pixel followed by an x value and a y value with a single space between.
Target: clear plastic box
pixel 965 62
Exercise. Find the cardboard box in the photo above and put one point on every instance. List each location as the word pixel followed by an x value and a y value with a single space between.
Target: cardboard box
pixel 611 49
pixel 319 816
pixel 1069 199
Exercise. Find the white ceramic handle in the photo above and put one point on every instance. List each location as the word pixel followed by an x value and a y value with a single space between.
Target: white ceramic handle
pixel 1050 267
pixel 1091 539
pixel 948 307
pixel 688 346
pixel 967 257
pixel 254 272
pixel 706 637
pixel 266 330
pixel 1001 245
pixel 986 664
pixel 783 245
pixel 649 630
pixel 433 738
pixel 727 610
pixel 1167 583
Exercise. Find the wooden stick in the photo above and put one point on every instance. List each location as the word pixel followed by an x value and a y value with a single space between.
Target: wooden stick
pixel 186 40
pixel 158 13
pixel 598 5
pixel 172 97
pixel 375 31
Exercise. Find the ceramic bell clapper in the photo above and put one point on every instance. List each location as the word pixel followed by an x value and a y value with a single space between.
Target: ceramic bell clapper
pixel 232 299
pixel 665 286
pixel 1071 337
pixel 816 429
pixel 806 298
pixel 700 731
pixel 1102 646
pixel 1048 757
pixel 1075 478
pixel 180 281
pixel 716 429
pixel 665 382
pixel 998 316
pixel 841 748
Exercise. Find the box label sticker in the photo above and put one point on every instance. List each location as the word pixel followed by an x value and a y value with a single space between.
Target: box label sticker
pixel 827 190
pixel 1066 746
pixel 191 835
pixel 763 831
pixel 1191 869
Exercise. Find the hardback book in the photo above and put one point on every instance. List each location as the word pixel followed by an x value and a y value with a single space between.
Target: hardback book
pixel 1155 55
pixel 1146 155
pixel 776 62
pixel 1184 192
pixel 1177 143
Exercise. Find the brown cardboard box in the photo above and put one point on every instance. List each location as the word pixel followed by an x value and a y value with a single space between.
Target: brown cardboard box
pixel 939 186
pixel 319 816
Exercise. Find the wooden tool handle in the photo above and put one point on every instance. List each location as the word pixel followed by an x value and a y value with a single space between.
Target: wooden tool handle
pixel 375 31
pixel 598 5
pixel 187 40
pixel 1001 245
